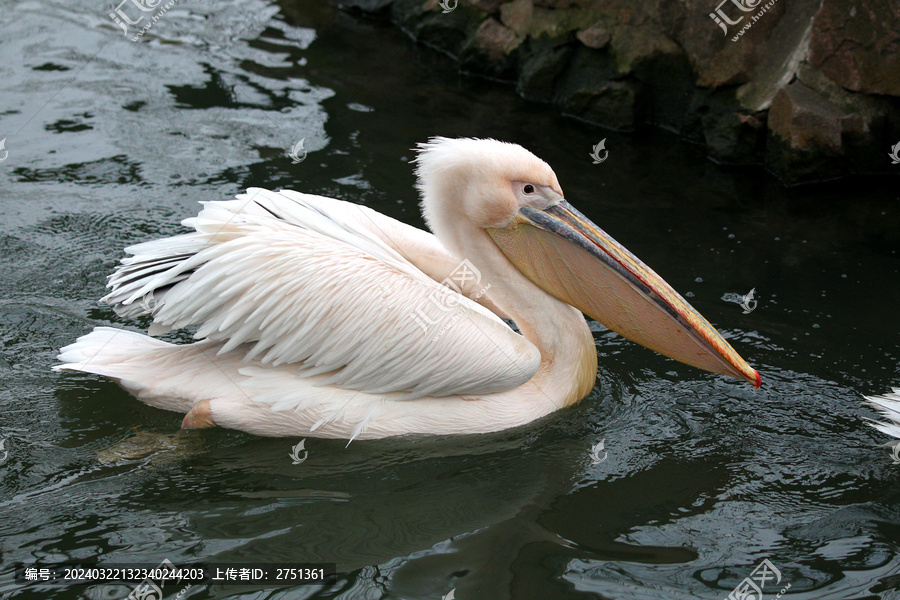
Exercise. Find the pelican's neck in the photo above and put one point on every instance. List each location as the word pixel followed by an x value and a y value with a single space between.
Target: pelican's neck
pixel 568 367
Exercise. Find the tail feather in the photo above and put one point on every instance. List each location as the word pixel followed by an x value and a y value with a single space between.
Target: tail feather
pixel 106 351
pixel 168 376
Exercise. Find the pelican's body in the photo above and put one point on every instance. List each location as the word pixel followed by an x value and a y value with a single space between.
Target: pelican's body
pixel 321 317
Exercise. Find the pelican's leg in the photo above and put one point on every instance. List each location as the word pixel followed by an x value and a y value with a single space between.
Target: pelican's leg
pixel 199 417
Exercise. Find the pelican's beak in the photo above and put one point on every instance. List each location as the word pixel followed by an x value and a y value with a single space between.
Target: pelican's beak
pixel 569 257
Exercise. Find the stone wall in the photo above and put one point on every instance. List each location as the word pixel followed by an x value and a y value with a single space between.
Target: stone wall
pixel 810 89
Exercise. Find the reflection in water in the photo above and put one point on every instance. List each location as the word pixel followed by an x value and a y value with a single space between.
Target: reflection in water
pixel 112 142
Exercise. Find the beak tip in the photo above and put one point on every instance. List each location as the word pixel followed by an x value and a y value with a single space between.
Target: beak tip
pixel 758 380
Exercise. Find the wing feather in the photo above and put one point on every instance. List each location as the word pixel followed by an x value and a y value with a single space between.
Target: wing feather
pixel 288 278
pixel 889 407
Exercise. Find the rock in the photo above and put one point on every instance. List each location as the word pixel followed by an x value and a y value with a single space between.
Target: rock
pixel 408 13
pixel 804 142
pixel 810 89
pixel 632 44
pixel 488 52
pixel 442 34
pixel 856 45
pixel 612 104
pixel 731 135
pixel 866 121
pixel 517 15
pixel 780 56
pixel 804 118
pixel 816 135
pixel 489 6
pixel 715 58
pixel 594 37
pixel 588 66
pixel 425 21
pixel 589 90
pixel 495 40
pixel 527 19
pixel 541 66
pixel 372 7
pixel 557 3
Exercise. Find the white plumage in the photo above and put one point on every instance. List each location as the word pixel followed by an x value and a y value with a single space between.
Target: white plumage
pixel 270 266
pixel 299 282
pixel 888 405
pixel 321 317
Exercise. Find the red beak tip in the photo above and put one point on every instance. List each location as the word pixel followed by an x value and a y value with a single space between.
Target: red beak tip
pixel 758 380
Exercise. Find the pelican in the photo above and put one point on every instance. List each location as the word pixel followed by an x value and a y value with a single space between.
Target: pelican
pixel 888 405
pixel 319 317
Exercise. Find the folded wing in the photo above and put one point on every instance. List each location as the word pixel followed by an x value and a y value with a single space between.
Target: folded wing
pixel 288 278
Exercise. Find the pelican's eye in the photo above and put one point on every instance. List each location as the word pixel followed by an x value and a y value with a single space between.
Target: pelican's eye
pixel 528 189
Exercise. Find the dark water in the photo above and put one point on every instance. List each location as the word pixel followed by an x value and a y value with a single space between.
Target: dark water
pixel 112 142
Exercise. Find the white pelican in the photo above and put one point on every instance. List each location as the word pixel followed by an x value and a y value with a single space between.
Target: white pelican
pixel 319 317
pixel 889 407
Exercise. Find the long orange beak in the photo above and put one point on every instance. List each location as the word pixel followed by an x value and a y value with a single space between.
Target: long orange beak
pixel 568 256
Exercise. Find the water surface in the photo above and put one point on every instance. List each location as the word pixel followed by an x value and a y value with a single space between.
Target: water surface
pixel 112 142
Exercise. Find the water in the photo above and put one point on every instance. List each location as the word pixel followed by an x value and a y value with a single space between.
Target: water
pixel 112 142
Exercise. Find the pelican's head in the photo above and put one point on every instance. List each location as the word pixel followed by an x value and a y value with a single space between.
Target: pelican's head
pixel 485 182
pixel 515 197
